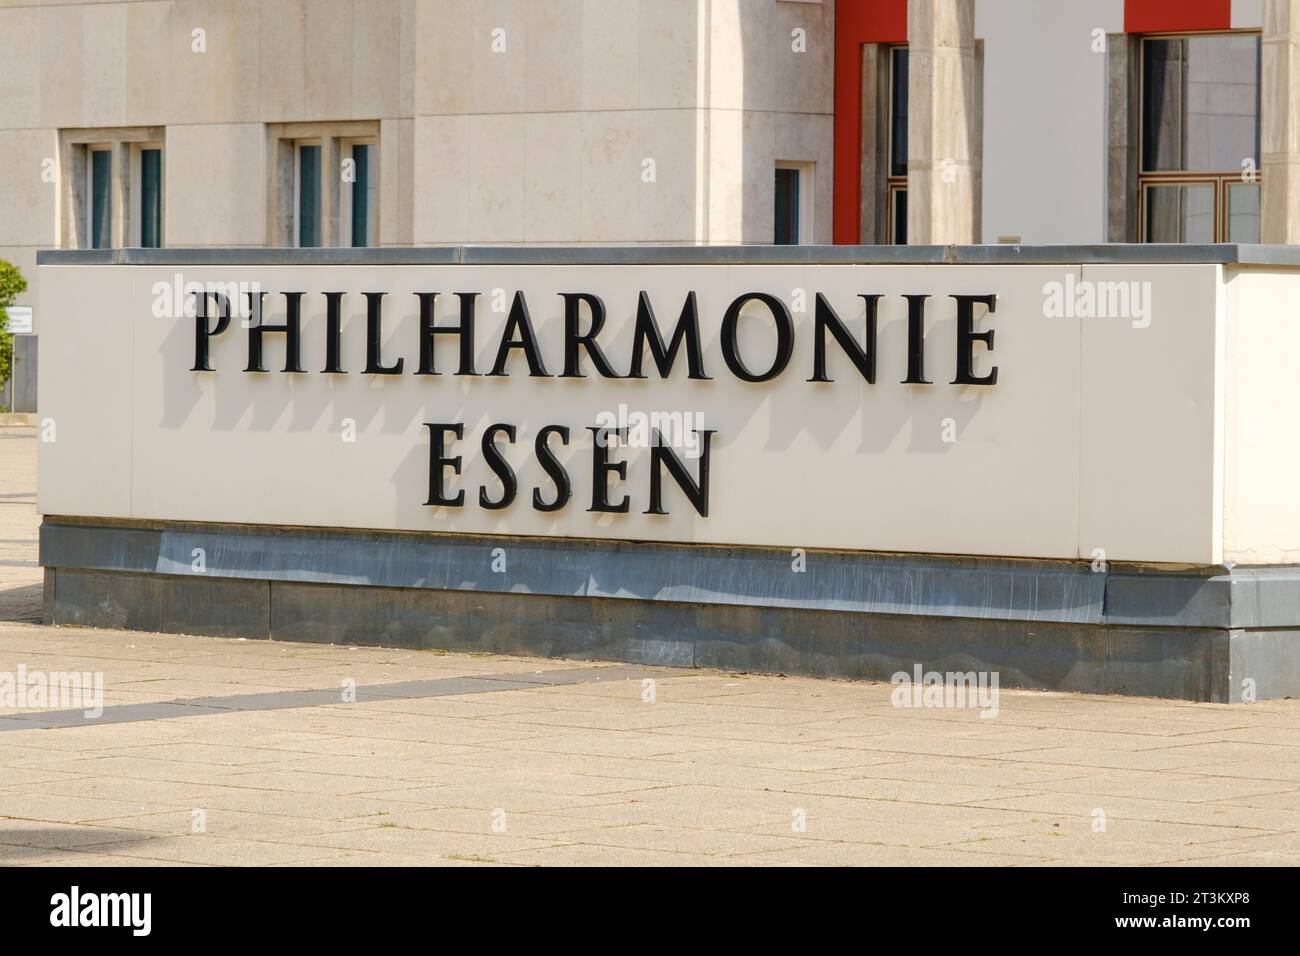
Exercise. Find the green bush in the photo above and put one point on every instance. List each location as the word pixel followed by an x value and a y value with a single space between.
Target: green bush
pixel 12 284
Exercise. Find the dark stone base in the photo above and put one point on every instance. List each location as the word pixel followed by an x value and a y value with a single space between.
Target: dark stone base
pixel 1204 664
pixel 1206 634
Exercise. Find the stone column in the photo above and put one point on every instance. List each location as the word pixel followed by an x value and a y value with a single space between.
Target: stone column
pixel 1280 123
pixel 943 113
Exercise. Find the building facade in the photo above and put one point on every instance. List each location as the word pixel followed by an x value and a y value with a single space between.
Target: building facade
pixel 237 123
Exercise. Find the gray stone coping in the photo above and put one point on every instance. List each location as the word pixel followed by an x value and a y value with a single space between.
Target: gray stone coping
pixel 1117 253
pixel 866 582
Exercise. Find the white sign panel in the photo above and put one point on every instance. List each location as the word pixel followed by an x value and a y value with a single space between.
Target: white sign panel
pixel 20 319
pixel 986 410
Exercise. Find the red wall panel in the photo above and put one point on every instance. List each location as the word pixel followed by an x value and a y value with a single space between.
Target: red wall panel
pixel 1168 16
pixel 856 22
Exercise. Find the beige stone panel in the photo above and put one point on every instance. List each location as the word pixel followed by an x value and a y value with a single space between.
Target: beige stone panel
pixel 500 72
pixel 496 178
pixel 328 60
pixel 553 66
pixel 1150 453
pixel 61 88
pixel 20 68
pixel 801 82
pixel 396 181
pixel 553 177
pixel 235 55
pixel 610 57
pixel 194 76
pixel 283 54
pixel 377 58
pixel 758 177
pixel 239 184
pixel 611 176
pixel 85 368
pixel 762 44
pixel 668 204
pixel 668 33
pixel 215 185
pixel 724 187
pixel 442 178
pixel 149 60
pixel 444 57
pixel 725 36
pixel 28 203
pixel 938 133
pixel 187 186
pixel 406 58
pixel 1261 511
pixel 804 137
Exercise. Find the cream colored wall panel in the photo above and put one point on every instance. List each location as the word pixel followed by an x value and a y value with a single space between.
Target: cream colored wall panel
pixel 667 205
pixel 1150 454
pixel 377 58
pixel 553 73
pixel 931 468
pixel 61 44
pixel 283 54
pixel 235 49
pixel 329 60
pixel 84 382
pixel 758 173
pixel 442 171
pixel 1261 509
pixel 104 65
pixel 725 188
pixel 496 183
pixel 27 203
pixel 726 76
pixel 553 177
pixel 444 57
pixel 187 186
pixel 214 184
pixel 238 185
pixel 668 33
pixel 20 68
pixel 498 49
pixel 149 63
pixel 406 58
pixel 802 65
pixel 396 181
pixel 610 55
pixel 611 176
pixel 194 76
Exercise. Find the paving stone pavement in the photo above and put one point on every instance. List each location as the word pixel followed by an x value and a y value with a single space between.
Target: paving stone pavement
pixel 454 759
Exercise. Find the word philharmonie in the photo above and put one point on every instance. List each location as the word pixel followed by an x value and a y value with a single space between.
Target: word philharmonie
pixel 585 316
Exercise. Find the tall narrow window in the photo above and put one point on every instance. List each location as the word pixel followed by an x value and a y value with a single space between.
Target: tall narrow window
pixel 150 197
pixel 1199 179
pixel 99 199
pixel 787 207
pixel 896 161
pixel 359 196
pixel 309 224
